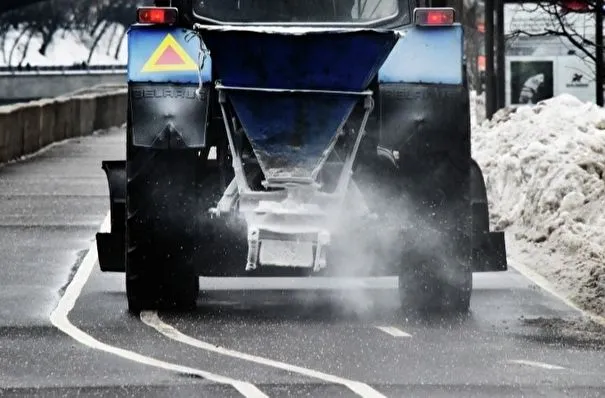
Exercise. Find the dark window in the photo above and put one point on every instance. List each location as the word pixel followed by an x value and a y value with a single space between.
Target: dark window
pixel 298 11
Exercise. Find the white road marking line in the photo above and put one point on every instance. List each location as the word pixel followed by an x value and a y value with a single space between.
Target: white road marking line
pixel 393 331
pixel 152 319
pixel 59 318
pixel 536 364
pixel 547 286
pixel 331 283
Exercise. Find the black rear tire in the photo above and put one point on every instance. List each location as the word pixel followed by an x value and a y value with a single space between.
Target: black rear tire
pixel 426 206
pixel 161 224
pixel 436 285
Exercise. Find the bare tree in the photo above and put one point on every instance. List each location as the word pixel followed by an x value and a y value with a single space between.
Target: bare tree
pixel 573 22
pixel 10 5
pixel 50 16
pixel 42 19
pixel 9 22
pixel 472 40
pixel 92 18
pixel 112 14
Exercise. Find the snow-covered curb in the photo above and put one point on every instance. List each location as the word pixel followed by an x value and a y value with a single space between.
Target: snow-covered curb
pixel 544 168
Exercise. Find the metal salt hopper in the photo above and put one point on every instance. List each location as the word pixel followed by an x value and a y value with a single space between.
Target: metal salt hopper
pixel 292 92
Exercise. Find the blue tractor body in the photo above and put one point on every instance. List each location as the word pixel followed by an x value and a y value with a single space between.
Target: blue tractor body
pixel 431 55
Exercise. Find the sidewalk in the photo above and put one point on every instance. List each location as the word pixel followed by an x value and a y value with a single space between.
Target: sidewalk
pixel 51 205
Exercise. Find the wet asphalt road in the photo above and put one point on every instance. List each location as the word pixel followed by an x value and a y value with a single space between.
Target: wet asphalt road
pixel 517 341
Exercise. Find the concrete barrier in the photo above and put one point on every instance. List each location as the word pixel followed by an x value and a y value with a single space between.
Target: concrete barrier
pixel 26 128
pixel 31 85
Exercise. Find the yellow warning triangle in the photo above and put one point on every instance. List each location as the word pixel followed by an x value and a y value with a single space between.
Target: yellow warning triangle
pixel 169 57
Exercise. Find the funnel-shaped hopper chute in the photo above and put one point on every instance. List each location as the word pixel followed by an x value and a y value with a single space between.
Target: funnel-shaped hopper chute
pixel 292 89
pixel 289 132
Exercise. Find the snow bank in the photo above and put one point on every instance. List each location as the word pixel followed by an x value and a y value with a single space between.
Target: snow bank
pixel 544 168
pixel 68 47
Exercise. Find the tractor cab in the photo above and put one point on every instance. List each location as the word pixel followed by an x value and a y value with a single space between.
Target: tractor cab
pixel 369 13
pixel 295 12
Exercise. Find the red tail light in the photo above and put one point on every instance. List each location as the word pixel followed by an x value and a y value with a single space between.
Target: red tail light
pixel 434 16
pixel 157 15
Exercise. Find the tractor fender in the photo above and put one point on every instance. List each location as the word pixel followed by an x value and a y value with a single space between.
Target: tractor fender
pixel 479 196
pixel 111 246
pixel 488 248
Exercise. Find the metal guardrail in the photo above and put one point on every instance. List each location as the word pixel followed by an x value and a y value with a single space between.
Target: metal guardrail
pixel 62 70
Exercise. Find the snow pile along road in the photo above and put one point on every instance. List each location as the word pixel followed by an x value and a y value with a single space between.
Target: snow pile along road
pixel 544 167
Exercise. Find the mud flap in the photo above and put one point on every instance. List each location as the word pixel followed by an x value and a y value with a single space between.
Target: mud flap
pixel 111 246
pixel 488 248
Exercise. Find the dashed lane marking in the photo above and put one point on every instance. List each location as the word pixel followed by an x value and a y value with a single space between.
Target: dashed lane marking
pixel 152 319
pixel 393 331
pixel 59 318
pixel 536 364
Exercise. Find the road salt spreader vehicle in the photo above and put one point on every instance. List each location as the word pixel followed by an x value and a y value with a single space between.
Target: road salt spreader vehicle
pixel 297 138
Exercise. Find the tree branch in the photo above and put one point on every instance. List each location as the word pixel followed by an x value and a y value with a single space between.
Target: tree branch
pixel 573 41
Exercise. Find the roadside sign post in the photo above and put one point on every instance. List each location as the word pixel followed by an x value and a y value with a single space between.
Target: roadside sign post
pixel 490 77
pixel 500 55
pixel 599 51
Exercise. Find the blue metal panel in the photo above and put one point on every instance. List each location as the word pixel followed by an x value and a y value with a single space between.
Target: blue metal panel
pixel 290 131
pixel 143 41
pixel 318 59
pixel 426 55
